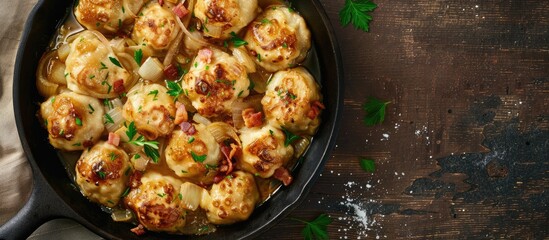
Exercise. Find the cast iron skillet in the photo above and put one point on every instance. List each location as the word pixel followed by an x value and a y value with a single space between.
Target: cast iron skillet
pixel 54 194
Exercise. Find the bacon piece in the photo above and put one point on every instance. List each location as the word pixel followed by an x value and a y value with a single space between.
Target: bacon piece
pixel 205 54
pixel 316 106
pixel 118 86
pixel 114 139
pixel 252 118
pixel 171 72
pixel 283 175
pixel 181 114
pixel 188 128
pixel 139 230
pixel 180 10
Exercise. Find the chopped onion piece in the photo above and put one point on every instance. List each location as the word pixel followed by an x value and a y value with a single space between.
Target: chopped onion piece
pixel 212 30
pixel 140 163
pixel 245 59
pixel 63 52
pixel 118 120
pixel 152 69
pixel 201 119
pixel 121 215
pixel 56 72
pixel 222 131
pixel 300 146
pixel 191 195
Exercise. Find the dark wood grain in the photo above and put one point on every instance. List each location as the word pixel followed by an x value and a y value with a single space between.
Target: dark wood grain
pixel 467 152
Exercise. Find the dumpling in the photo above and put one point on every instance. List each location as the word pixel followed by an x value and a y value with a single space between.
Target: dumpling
pixel 156 203
pixel 263 150
pixel 293 101
pixel 278 38
pixel 93 69
pixel 151 108
pixel 155 27
pixel 106 16
pixel 73 121
pixel 102 173
pixel 221 17
pixel 214 81
pixel 231 200
pixel 189 155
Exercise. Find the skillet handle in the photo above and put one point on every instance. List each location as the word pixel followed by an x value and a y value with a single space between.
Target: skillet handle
pixel 43 205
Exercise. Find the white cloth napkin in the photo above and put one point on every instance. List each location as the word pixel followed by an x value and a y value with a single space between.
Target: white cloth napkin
pixel 15 173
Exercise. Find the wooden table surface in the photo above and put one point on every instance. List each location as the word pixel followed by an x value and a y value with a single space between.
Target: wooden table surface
pixel 464 150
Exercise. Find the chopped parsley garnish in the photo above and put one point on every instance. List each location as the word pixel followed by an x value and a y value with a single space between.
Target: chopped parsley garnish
pixel 103 66
pixel 138 56
pixel 375 111
pixel 108 103
pixel 316 229
pixel 101 174
pixel 174 89
pixel 191 139
pixel 77 144
pixel 113 156
pixel 109 87
pixel 136 156
pixel 198 158
pixel 236 40
pixel 368 165
pixel 252 85
pixel 108 119
pixel 92 110
pixel 125 193
pixel 357 12
pixel 161 194
pixel 150 147
pixel 240 93
pixel 284 45
pixel 290 137
pixel 180 196
pixel 265 21
pixel 271 132
pixel 259 57
pixel 127 172
pixel 78 121
pixel 115 62
pixel 154 93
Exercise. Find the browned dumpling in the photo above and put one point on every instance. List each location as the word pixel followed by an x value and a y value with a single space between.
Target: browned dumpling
pixel 155 27
pixel 263 150
pixel 231 200
pixel 190 155
pixel 102 173
pixel 215 80
pixel 74 121
pixel 293 101
pixel 151 108
pixel 106 16
pixel 156 203
pixel 278 38
pixel 221 17
pixel 93 69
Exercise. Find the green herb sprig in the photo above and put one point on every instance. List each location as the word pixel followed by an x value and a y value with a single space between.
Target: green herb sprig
pixel 375 111
pixel 150 147
pixel 316 229
pixel 357 12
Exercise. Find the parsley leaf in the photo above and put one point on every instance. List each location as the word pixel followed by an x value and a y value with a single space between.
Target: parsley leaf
pixel 131 131
pixel 237 41
pixel 368 165
pixel 198 158
pixel 375 111
pixel 150 147
pixel 138 56
pixel 154 93
pixel 115 62
pixel 174 89
pixel 316 229
pixel 357 12
pixel 290 137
